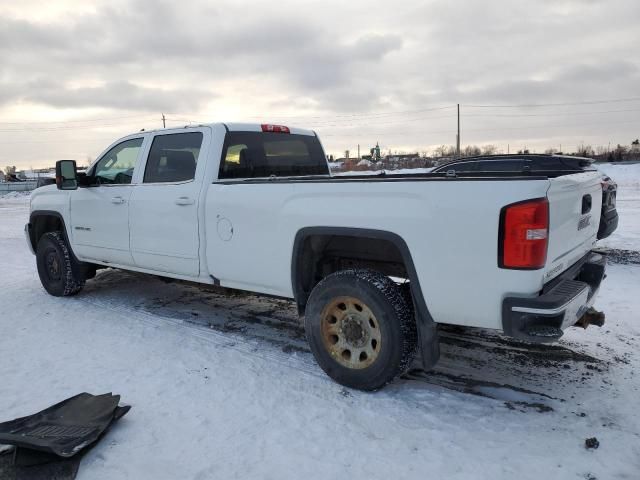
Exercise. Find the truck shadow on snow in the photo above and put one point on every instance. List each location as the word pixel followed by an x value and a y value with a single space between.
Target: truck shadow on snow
pixel 473 361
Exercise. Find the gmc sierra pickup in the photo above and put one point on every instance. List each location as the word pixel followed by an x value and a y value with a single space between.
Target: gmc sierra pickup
pixel 374 263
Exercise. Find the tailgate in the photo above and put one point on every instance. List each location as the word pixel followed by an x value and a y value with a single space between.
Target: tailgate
pixel 575 203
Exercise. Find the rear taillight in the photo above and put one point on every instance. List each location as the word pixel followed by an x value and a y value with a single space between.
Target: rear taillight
pixel 524 232
pixel 275 128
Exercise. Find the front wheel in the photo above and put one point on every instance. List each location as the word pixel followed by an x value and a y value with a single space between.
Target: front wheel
pixel 55 266
pixel 360 328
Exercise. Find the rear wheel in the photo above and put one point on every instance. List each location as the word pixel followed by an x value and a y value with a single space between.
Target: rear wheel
pixel 360 328
pixel 55 266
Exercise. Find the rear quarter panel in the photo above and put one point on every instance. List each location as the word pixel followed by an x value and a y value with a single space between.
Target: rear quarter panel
pixel 450 227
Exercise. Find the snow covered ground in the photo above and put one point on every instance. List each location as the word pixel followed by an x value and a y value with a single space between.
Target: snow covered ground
pixel 225 387
pixel 627 236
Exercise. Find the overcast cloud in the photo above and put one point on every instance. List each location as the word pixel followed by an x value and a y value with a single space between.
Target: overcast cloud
pixel 342 68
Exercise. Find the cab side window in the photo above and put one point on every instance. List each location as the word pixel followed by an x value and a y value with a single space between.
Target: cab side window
pixel 173 158
pixel 116 166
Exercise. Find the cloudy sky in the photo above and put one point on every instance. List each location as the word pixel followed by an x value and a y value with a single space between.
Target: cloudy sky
pixel 538 73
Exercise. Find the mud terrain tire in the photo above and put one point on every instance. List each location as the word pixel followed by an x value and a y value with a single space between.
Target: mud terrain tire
pixel 360 328
pixel 55 266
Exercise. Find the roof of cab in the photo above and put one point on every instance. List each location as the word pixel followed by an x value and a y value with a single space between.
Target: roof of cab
pixel 257 127
pixel 230 126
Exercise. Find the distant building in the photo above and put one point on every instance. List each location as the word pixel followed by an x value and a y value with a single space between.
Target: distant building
pixel 35 174
pixel 402 157
pixel 375 152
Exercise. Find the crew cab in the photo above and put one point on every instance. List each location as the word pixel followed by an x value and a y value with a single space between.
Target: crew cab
pixel 373 263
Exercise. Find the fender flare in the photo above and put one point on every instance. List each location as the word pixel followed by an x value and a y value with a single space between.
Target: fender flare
pixel 427 328
pixel 46 213
pixel 76 264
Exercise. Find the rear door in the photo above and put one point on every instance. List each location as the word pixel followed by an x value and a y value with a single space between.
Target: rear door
pixel 247 208
pixel 100 213
pixel 575 203
pixel 164 204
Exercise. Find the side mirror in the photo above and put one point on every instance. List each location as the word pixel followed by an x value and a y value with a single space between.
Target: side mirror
pixel 66 175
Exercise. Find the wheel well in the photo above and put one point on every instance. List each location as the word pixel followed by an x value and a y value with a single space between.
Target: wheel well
pixel 320 254
pixel 318 251
pixel 41 224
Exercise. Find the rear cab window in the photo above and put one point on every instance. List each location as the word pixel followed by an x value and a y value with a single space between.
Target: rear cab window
pixel 270 154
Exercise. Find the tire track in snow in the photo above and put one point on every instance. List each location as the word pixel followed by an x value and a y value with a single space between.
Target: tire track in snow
pixel 227 340
pixel 270 330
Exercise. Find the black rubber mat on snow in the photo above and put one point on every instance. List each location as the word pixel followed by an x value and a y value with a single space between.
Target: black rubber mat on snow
pixel 50 443
pixel 61 469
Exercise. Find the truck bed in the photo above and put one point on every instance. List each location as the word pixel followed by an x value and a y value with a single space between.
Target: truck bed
pixel 402 177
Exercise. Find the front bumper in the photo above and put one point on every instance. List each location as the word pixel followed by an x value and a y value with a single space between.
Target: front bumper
pixel 562 303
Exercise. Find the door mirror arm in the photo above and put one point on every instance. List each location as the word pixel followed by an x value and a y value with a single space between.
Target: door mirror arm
pixel 85 180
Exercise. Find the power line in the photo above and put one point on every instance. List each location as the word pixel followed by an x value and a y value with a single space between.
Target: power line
pixel 557 114
pixel 372 114
pixel 354 123
pixel 526 127
pixel 106 119
pixel 462 116
pixel 531 105
pixel 347 123
pixel 452 130
pixel 60 140
pixel 57 128
pixel 373 122
pixel 353 115
pixel 184 117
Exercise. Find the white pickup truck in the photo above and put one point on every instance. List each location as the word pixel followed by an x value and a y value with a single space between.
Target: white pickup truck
pixel 374 263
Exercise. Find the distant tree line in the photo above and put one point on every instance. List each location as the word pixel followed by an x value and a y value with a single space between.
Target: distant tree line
pixel 447 153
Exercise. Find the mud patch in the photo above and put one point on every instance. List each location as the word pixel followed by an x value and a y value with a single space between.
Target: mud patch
pixel 473 361
pixel 525 407
pixel 623 257
pixel 514 397
pixel 521 352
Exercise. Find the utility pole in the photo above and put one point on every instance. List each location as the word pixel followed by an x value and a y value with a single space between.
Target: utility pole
pixel 508 149
pixel 164 125
pixel 458 135
pixel 358 151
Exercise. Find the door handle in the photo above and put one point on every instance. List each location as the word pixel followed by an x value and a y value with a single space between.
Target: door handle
pixel 118 200
pixel 184 201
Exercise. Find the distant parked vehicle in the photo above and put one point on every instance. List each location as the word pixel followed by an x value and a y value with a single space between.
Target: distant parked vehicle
pixel 11 177
pixel 519 163
pixel 532 164
pixel 44 181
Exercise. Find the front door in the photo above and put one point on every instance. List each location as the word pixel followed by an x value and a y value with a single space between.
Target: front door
pixel 163 209
pixel 100 213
